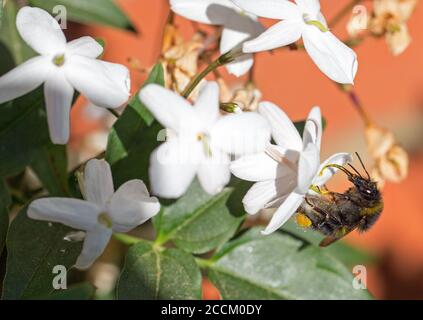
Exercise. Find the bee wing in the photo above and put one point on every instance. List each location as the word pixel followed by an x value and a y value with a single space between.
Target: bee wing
pixel 338 234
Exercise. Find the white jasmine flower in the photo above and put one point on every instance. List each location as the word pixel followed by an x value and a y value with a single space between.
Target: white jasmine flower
pixel 303 19
pixel 237 26
pixel 200 141
pixel 103 212
pixel 62 67
pixel 285 173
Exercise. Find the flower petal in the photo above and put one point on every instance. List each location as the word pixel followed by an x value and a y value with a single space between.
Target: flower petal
pixel 283 130
pixel 119 74
pixel 259 167
pixel 259 195
pixel 240 134
pixel 332 56
pixel 272 9
pixel 311 7
pixel 239 28
pixel 24 78
pixel 97 82
pixel 281 34
pixel 213 172
pixel 173 166
pixel 94 245
pixel 313 128
pixel 203 11
pixel 170 109
pixel 40 31
pixel 308 166
pixel 98 182
pixel 285 211
pixel 85 46
pixel 132 205
pixel 207 105
pixel 325 174
pixel 241 65
pixel 75 213
pixel 58 97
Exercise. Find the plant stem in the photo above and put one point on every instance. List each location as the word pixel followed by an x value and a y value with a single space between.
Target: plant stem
pixel 203 263
pixel 359 106
pixel 222 60
pixel 126 239
pixel 341 14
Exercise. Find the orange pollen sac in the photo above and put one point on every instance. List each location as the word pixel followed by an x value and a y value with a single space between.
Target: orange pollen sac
pixel 200 136
pixel 303 220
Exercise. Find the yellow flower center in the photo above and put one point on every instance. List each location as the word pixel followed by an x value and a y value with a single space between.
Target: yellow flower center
pixel 59 60
pixel 105 220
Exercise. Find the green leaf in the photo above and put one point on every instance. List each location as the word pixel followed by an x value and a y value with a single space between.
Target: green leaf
pixel 10 37
pixel 5 202
pixel 34 248
pixel 7 62
pixel 82 291
pixel 104 12
pixel 50 165
pixel 153 273
pixel 1 11
pixel 199 222
pixel 345 253
pixel 279 267
pixel 133 137
pixel 23 129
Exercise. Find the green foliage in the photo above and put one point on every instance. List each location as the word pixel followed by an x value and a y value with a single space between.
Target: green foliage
pixel 23 130
pixel 50 164
pixel 1 11
pixel 279 267
pixel 82 291
pixel 156 273
pixel 199 222
pixel 345 253
pixel 4 213
pixel 7 62
pixel 34 248
pixel 133 137
pixel 10 37
pixel 104 12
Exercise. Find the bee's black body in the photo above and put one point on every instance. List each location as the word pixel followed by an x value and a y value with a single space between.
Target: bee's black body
pixel 337 214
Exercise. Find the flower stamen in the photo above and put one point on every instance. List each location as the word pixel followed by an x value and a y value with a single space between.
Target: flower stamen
pixel 206 144
pixel 105 220
pixel 315 23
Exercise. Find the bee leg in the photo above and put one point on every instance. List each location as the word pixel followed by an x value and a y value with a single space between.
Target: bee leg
pixel 326 216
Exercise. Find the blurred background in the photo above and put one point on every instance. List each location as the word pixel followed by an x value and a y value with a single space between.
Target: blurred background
pixel 390 89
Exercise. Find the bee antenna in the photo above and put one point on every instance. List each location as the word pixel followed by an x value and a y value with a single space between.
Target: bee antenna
pixel 362 164
pixel 355 170
pixel 339 167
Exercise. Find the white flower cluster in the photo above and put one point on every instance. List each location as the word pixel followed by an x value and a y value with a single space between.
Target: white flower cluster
pixel 300 19
pixel 200 141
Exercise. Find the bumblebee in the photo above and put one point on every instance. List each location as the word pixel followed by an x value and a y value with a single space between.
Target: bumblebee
pixel 337 214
